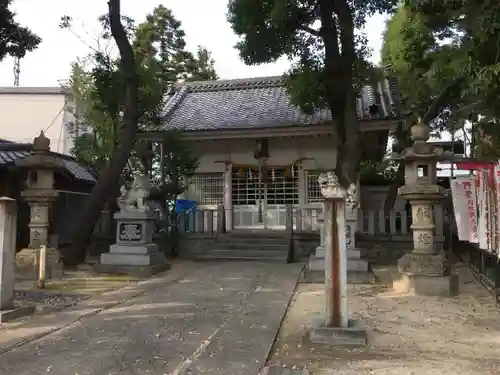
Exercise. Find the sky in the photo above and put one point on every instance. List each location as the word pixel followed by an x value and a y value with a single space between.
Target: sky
pixel 203 21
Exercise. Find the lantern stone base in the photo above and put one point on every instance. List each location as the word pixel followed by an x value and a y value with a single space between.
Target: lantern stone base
pixel 353 335
pixel 28 263
pixel 426 275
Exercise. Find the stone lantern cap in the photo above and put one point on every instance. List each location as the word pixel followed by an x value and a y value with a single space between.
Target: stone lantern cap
pixel 420 191
pixel 421 148
pixel 42 157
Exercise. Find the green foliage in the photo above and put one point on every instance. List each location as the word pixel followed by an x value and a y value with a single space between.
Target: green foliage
pixel 15 40
pixel 173 165
pixel 446 47
pixel 326 42
pixel 382 173
pixel 271 29
pixel 98 87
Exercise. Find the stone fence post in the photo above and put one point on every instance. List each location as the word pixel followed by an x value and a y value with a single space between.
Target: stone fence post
pixel 8 232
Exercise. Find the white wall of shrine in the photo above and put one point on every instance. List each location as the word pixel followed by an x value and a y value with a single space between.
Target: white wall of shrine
pixel 282 151
pixel 214 180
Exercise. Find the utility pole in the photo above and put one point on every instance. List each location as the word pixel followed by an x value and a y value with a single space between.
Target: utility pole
pixel 17 71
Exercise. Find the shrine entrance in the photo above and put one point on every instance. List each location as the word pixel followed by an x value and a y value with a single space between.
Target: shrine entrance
pixel 259 199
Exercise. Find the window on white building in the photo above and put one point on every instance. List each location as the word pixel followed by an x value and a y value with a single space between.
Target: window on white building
pixel 279 186
pixel 207 188
pixel 313 190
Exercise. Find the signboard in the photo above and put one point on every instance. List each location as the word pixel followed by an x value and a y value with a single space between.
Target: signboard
pixel 464 202
pixel 130 232
pixel 496 203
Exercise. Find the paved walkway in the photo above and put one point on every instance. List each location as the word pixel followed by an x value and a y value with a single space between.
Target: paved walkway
pixel 204 318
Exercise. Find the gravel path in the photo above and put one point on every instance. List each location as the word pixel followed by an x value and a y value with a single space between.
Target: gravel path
pixel 45 301
pixel 218 319
pixel 407 334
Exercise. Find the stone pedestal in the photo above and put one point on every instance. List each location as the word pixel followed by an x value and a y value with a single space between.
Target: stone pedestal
pixel 357 269
pixel 28 264
pixel 134 252
pixel 8 234
pixel 426 274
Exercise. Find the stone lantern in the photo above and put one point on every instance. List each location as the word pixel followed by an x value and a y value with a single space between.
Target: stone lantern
pixel 40 194
pixel 425 271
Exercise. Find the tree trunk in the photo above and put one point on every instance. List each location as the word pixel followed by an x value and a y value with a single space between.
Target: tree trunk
pixel 126 140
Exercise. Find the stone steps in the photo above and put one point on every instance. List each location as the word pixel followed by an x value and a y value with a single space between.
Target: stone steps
pixel 252 246
pixel 249 254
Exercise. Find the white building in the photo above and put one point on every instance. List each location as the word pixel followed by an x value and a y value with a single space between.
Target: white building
pixel 228 121
pixel 27 110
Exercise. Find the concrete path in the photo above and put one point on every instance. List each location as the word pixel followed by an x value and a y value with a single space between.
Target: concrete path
pixel 215 318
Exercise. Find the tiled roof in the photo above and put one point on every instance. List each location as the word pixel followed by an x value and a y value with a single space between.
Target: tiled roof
pixel 10 152
pixel 258 103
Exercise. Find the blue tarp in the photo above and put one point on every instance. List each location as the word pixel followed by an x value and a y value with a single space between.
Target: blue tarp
pixel 183 205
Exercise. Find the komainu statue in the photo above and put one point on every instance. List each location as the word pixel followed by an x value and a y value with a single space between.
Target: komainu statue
pixel 132 200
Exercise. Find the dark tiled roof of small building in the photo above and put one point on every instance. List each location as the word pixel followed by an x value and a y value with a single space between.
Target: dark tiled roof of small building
pixel 10 152
pixel 260 102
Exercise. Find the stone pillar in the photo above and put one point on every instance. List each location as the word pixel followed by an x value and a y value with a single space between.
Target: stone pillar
pixel 8 223
pixel 357 268
pixel 335 261
pixel 39 224
pixel 8 234
pixel 335 327
pixel 423 227
pixel 320 249
pixel 302 187
pixel 228 198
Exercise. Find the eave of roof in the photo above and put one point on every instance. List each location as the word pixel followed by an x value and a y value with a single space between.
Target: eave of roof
pixel 10 152
pixel 261 102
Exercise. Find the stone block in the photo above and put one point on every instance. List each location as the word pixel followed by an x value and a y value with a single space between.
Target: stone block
pixel 351 253
pixel 28 262
pixel 16 313
pixel 128 259
pixel 424 264
pixel 354 335
pixel 353 277
pixel 133 249
pixel 136 271
pixel 425 285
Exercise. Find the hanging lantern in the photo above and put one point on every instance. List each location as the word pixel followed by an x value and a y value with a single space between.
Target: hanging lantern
pixel 250 174
pixel 241 173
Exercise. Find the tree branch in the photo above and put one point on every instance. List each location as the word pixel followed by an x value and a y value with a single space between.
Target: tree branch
pixel 310 30
pixel 441 100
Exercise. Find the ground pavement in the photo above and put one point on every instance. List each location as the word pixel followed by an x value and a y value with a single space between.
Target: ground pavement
pixel 203 318
pixel 407 335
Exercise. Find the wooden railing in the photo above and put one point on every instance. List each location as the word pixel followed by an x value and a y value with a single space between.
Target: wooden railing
pixel 204 219
pixel 211 219
pixel 370 222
